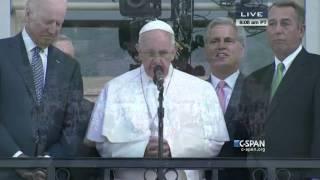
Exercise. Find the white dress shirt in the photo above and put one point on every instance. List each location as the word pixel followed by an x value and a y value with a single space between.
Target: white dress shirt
pixel 287 61
pixel 230 83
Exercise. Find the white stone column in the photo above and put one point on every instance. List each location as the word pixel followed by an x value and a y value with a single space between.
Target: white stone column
pixel 5 25
pixel 312 35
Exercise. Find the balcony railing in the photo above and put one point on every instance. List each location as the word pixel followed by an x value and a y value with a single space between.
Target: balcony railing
pixel 270 165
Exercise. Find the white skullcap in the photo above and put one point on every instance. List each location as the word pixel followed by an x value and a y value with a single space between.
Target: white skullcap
pixel 156 24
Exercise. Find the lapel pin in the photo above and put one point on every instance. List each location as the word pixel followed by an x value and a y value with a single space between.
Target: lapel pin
pixel 58 61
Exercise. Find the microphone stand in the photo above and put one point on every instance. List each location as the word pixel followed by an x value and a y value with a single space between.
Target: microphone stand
pixel 160 172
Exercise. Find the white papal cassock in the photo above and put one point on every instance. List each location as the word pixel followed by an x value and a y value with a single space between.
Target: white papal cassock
pixel 125 116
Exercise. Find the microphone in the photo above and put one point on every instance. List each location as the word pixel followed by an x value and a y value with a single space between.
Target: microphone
pixel 158 77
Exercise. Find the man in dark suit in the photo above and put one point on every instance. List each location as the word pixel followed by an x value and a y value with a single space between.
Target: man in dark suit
pixel 64 43
pixel 225 47
pixel 282 100
pixel 40 90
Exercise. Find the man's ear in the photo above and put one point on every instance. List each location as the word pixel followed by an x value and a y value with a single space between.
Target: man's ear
pixel 175 50
pixel 243 50
pixel 27 13
pixel 174 53
pixel 302 28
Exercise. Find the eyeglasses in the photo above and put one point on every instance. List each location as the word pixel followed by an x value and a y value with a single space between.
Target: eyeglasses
pixel 154 54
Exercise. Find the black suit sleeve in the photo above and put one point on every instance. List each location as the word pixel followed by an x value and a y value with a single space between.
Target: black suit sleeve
pixel 8 142
pixel 315 141
pixel 9 146
pixel 316 126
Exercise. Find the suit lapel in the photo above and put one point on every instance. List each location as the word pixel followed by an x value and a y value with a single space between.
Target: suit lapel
pixel 230 115
pixel 19 58
pixel 288 80
pixel 233 102
pixel 235 98
pixel 52 70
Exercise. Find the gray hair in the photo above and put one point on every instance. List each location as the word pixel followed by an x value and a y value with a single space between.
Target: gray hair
pixel 298 9
pixel 241 33
pixel 32 5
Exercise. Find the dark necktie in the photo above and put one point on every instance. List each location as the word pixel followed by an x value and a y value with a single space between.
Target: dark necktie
pixel 38 73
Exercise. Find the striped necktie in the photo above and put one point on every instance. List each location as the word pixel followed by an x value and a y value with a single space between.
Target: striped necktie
pixel 38 73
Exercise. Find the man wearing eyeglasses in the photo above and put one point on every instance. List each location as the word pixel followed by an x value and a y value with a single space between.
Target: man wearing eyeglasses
pixel 125 120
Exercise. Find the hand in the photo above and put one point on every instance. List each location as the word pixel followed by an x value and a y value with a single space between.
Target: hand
pixel 152 148
pixel 36 174
pixel 39 174
pixel 25 174
pixel 31 174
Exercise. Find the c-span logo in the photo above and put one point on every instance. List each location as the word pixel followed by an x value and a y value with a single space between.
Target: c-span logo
pixel 250 145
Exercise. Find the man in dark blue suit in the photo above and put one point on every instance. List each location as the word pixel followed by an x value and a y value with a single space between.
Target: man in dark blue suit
pixel 225 47
pixel 282 100
pixel 64 43
pixel 40 90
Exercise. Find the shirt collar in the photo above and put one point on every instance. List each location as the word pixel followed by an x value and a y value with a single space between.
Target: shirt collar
pixel 288 60
pixel 29 44
pixel 230 80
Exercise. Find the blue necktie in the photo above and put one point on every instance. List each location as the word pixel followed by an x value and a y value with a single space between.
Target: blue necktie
pixel 38 73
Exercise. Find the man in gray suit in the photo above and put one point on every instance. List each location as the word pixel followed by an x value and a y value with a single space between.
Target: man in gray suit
pixel 225 47
pixel 40 90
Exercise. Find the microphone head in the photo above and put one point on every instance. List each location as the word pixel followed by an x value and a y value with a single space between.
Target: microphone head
pixel 158 77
